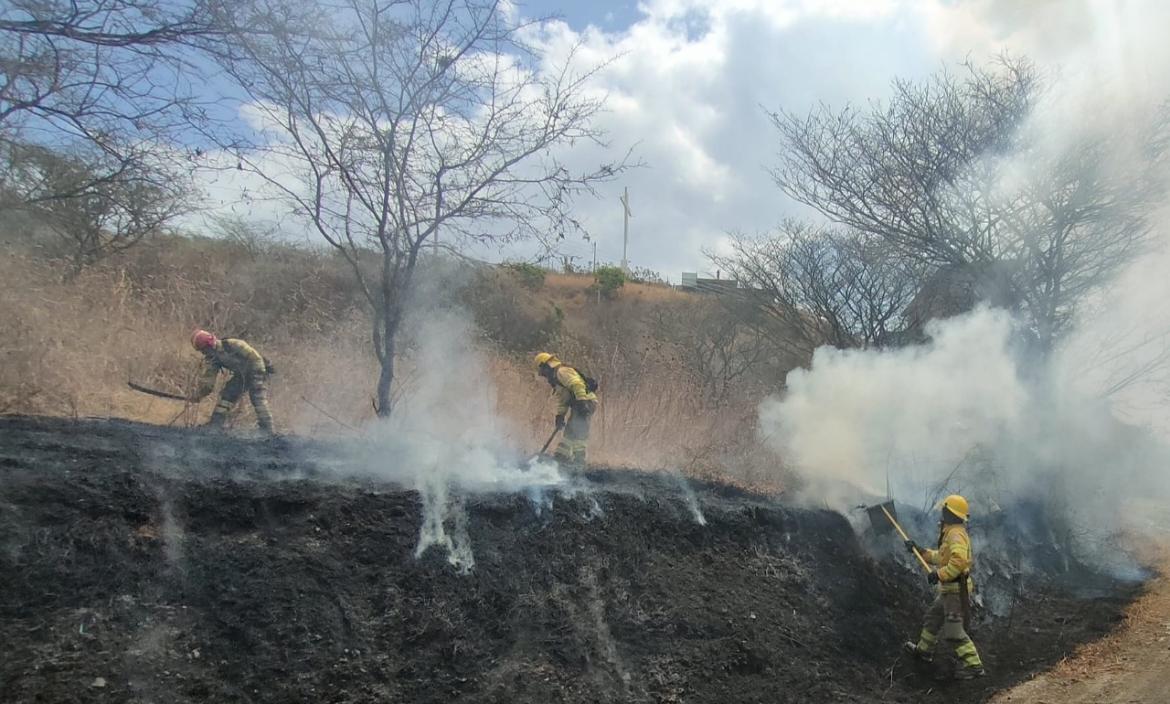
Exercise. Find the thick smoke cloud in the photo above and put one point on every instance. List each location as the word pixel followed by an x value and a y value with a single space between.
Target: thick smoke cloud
pixel 966 413
pixel 1082 434
pixel 1083 430
pixel 856 416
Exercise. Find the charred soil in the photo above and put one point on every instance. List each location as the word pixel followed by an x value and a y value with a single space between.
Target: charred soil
pixel 140 563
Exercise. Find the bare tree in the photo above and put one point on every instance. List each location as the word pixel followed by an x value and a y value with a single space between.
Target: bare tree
pixel 91 217
pixel 950 172
pixel 94 95
pixel 256 239
pixel 99 70
pixel 395 120
pixel 811 285
pixel 722 351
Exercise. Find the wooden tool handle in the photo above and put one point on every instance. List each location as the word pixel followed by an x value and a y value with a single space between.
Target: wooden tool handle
pixel 902 533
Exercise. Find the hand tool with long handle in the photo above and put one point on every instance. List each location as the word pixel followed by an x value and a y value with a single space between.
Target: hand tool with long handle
pixel 549 441
pixel 155 392
pixel 905 537
pixel 546 444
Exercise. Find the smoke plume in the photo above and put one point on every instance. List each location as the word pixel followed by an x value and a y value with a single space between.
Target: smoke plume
pixel 969 412
pixel 445 439
pixel 1083 429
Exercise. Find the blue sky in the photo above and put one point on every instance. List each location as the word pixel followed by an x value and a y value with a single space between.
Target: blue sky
pixel 609 15
pixel 694 80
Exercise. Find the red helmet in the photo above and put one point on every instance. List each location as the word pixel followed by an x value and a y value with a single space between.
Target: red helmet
pixel 202 340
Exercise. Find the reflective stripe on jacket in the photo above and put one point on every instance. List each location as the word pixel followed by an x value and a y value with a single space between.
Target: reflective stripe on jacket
pixel 953 557
pixel 231 354
pixel 570 387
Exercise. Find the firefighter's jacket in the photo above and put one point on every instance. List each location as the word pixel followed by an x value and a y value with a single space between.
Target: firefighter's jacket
pixel 570 387
pixel 953 558
pixel 235 356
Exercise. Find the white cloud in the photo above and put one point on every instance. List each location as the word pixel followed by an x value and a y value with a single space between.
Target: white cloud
pixel 692 79
pixel 690 87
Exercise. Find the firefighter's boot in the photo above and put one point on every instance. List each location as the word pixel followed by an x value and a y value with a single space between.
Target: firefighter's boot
pixel 917 653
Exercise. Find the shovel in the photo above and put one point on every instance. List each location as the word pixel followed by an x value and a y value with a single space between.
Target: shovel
pixel 875 514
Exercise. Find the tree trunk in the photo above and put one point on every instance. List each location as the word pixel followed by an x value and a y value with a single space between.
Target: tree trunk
pixel 386 375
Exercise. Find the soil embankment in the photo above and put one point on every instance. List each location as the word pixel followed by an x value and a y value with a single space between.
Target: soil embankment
pixel 141 564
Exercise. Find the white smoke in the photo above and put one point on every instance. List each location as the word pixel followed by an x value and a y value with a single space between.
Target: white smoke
pixel 969 411
pixel 963 413
pixel 1121 348
pixel 856 417
pixel 445 440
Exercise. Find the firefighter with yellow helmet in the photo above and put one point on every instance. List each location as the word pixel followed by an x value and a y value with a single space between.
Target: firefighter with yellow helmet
pixel 249 370
pixel 949 616
pixel 576 404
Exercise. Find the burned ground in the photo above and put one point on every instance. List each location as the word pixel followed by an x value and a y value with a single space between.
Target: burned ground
pixel 145 564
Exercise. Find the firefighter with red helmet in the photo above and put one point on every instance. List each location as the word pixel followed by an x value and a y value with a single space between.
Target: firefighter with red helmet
pixel 249 372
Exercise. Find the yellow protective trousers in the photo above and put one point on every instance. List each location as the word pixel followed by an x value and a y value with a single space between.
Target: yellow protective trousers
pixel 946 615
pixel 257 386
pixel 575 440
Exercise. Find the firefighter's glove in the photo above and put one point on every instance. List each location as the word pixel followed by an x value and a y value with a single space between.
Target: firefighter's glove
pixel 932 578
pixel 911 546
pixel 560 422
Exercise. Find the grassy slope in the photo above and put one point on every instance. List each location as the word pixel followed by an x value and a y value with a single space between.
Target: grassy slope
pixel 71 345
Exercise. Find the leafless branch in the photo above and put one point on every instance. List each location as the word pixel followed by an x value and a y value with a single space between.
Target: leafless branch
pixel 392 120
pixel 951 173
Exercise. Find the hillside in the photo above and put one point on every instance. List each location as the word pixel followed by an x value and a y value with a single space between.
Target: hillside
pixel 141 563
pixel 74 342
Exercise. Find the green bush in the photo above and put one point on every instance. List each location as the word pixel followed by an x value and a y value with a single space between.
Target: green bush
pixel 530 276
pixel 609 279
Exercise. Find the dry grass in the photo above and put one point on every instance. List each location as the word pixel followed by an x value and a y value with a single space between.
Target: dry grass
pixel 653 422
pixel 1143 625
pixel 574 289
pixel 71 346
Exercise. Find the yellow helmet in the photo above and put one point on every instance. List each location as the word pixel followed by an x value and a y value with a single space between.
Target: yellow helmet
pixel 957 505
pixel 546 358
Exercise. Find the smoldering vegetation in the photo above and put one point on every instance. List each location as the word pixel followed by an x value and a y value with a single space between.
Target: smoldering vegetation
pixel 141 562
pixel 982 277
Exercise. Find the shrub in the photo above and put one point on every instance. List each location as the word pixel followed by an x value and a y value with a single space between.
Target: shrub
pixel 609 279
pixel 643 275
pixel 512 318
pixel 529 275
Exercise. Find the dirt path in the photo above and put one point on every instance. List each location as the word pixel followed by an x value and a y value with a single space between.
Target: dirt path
pixel 1132 666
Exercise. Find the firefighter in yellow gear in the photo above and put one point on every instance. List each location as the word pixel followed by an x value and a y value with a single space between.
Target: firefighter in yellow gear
pixel 948 616
pixel 576 404
pixel 249 370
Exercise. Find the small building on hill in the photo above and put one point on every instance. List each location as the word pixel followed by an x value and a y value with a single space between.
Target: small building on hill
pixel 691 281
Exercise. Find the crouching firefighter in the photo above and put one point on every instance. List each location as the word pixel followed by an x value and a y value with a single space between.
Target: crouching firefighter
pixel 949 615
pixel 249 370
pixel 576 404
